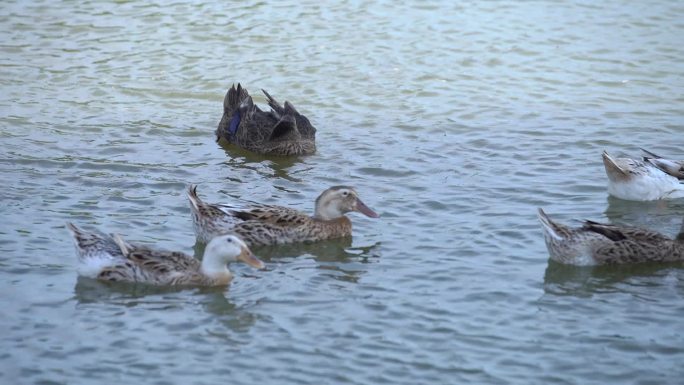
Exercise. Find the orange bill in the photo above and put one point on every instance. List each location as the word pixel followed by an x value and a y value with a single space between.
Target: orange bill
pixel 247 257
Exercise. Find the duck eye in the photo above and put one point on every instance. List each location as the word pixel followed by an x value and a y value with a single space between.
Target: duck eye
pixel 229 240
pixel 345 193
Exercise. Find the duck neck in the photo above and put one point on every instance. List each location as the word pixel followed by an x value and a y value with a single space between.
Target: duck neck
pixel 214 267
pixel 340 226
pixel 327 213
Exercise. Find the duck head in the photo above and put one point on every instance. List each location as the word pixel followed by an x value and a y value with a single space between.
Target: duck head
pixel 225 249
pixel 339 200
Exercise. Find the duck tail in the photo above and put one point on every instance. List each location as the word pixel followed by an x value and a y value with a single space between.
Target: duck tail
pixel 649 154
pixel 234 98
pixel 281 110
pixel 80 237
pixel 275 106
pixel 83 240
pixel 290 109
pixel 237 106
pixel 550 227
pixel 92 244
pixel 195 201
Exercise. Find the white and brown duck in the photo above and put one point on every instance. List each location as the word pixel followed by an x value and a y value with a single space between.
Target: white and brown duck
pixel 649 178
pixel 261 225
pixel 110 258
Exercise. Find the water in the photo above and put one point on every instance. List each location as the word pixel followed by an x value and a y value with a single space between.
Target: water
pixel 454 121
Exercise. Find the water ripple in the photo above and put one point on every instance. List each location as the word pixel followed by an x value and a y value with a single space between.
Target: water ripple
pixel 454 121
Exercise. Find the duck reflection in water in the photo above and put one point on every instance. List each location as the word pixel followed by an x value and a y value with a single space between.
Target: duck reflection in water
pixel 214 300
pixel 268 167
pixel 647 214
pixel 586 281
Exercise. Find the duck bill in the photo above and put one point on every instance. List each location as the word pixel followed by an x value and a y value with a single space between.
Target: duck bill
pixel 247 257
pixel 365 210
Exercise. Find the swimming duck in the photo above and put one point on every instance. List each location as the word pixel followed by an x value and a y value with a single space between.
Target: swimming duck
pixel 643 180
pixel 281 131
pixel 269 225
pixel 597 244
pixel 110 258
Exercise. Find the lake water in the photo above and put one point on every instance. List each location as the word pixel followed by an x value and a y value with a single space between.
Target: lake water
pixel 454 121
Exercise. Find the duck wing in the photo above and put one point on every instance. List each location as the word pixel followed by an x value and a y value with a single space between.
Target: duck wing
pixel 261 233
pixel 92 244
pixel 671 167
pixel 621 233
pixel 629 244
pixel 252 212
pixel 632 251
pixel 144 264
pixel 272 214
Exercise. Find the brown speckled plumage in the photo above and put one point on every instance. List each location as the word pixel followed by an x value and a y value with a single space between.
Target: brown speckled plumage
pixel 160 268
pixel 597 244
pixel 281 131
pixel 270 225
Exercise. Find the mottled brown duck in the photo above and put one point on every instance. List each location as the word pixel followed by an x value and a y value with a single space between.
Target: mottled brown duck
pixel 599 244
pixel 270 225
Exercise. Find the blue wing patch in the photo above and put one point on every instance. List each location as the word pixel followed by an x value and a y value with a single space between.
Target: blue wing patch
pixel 234 123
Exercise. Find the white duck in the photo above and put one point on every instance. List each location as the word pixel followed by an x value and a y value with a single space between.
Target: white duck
pixel 644 180
pixel 110 258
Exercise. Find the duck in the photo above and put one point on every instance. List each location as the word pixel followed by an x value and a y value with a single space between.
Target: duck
pixel 281 131
pixel 111 258
pixel 646 179
pixel 602 244
pixel 263 225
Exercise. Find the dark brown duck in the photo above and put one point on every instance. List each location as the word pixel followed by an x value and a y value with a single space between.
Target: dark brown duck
pixel 281 131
